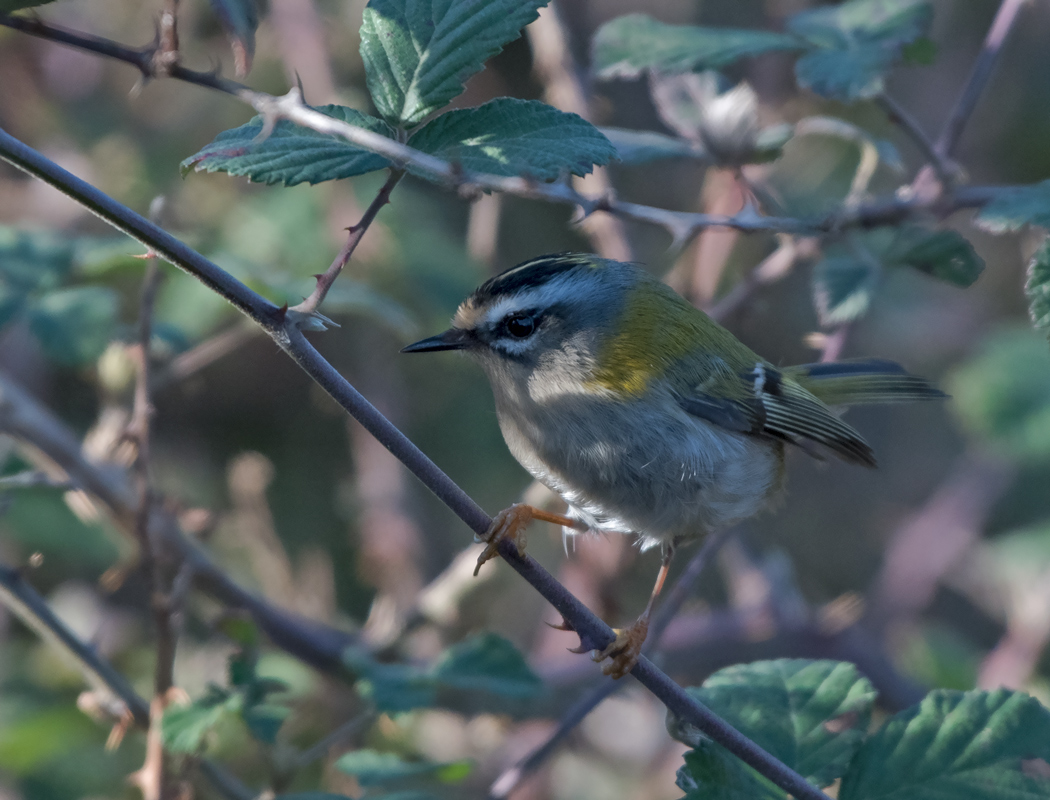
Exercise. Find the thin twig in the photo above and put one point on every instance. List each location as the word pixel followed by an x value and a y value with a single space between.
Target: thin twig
pixel 357 232
pixel 772 268
pixel 942 164
pixel 167 54
pixel 344 732
pixel 26 603
pixel 681 225
pixel 513 777
pixel 564 88
pixel 154 778
pixel 1004 21
pixel 205 354
pixel 594 634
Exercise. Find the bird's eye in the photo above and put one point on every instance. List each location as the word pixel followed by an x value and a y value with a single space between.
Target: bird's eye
pixel 520 326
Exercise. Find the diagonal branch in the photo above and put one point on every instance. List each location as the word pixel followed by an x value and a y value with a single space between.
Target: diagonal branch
pixel 593 632
pixel 513 777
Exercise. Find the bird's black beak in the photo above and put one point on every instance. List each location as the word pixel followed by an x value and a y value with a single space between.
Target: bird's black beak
pixel 452 339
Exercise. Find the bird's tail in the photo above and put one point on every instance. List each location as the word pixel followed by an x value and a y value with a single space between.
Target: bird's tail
pixel 846 383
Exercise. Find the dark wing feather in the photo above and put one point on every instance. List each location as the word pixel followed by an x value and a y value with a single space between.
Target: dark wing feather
pixel 764 402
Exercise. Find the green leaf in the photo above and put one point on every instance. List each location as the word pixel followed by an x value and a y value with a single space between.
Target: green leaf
pixel 487 663
pixel 711 773
pixel 642 147
pixel 419 53
pixel 31 261
pixel 239 19
pixel 264 720
pixel 812 715
pixel 390 687
pixel 627 46
pixel 1003 394
pixel 184 728
pixel 856 43
pixel 1016 206
pixel 291 154
pixel 966 746
pixel 1037 287
pixel 946 255
pixel 484 668
pixel 510 137
pixel 372 768
pixel 842 288
pixel 312 796
pixel 74 325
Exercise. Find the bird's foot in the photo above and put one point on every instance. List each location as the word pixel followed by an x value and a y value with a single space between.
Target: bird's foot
pixel 510 523
pixel 625 649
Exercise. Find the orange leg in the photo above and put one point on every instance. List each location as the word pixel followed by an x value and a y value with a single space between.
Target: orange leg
pixel 511 523
pixel 626 648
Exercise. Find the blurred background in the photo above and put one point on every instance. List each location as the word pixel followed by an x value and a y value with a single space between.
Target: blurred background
pixel 937 565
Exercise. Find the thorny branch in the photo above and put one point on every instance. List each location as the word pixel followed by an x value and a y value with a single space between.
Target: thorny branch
pixel 282 327
pixel 513 777
pixel 168 581
pixel 680 224
pixel 357 232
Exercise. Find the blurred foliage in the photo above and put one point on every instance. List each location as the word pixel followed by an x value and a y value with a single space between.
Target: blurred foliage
pixel 781 98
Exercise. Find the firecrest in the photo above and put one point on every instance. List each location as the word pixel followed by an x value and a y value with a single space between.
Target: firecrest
pixel 643 413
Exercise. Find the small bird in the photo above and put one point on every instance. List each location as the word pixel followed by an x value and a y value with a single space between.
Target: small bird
pixel 645 415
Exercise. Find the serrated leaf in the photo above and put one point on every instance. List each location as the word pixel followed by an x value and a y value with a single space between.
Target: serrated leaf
pixel 812 715
pixel 419 53
pixel 74 325
pixel 292 154
pixel 487 663
pixel 842 288
pixel 510 137
pixel 642 147
pixel 1016 206
pixel 239 19
pixel 856 43
pixel 372 768
pixel 967 746
pixel 1037 287
pixel 711 773
pixel 627 46
pixel 946 255
pixel 184 728
pixel 1003 393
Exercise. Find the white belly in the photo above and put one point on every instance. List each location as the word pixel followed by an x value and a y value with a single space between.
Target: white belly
pixel 653 470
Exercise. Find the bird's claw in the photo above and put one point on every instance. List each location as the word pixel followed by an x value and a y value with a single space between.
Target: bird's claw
pixel 510 523
pixel 624 650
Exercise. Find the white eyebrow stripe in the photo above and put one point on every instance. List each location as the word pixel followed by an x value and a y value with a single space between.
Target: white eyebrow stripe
pixel 558 289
